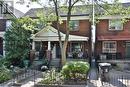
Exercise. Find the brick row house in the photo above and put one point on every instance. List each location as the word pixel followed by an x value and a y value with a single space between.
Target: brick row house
pixel 112 36
pixel 78 40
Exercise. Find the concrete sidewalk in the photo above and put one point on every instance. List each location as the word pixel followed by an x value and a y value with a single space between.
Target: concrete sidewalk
pixel 93 74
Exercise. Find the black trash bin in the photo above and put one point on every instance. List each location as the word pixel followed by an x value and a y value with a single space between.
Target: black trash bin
pixel 104 70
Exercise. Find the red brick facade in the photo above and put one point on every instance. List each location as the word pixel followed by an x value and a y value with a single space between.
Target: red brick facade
pixel 120 36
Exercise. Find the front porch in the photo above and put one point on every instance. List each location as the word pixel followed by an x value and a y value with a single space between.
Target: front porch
pixel 113 49
pixel 115 61
pixel 46 46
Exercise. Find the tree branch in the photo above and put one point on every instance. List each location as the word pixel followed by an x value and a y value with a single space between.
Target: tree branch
pixel 103 8
pixel 74 3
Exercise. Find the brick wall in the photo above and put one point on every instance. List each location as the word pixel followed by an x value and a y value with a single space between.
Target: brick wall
pixel 2 25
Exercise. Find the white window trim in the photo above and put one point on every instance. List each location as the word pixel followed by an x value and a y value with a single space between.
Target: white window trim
pixel 8 24
pixel 116 29
pixel 109 50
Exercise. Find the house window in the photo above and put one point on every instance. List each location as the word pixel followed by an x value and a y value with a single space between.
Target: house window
pixel 109 47
pixel 74 25
pixel 76 47
pixel 115 24
pixel 8 24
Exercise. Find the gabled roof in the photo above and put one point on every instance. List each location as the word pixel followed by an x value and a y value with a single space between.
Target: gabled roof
pixel 81 10
pixel 16 12
pixel 49 33
pixel 77 11
pixel 10 11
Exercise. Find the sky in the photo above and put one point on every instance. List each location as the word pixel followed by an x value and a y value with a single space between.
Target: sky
pixel 26 5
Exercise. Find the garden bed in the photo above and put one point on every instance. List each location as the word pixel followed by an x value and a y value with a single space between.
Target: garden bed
pixel 73 74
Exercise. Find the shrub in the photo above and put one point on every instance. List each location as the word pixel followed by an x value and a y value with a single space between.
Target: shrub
pixel 4 74
pixel 75 70
pixel 4 62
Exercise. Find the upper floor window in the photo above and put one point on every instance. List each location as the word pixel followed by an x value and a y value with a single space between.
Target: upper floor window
pixel 8 24
pixel 74 25
pixel 115 24
pixel 109 47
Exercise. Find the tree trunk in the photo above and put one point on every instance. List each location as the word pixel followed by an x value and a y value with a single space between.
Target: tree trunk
pixel 63 57
pixel 64 45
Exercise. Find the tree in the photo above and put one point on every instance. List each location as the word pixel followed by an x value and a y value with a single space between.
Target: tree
pixel 17 40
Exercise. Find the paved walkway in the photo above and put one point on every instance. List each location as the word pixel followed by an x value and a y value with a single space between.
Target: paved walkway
pixel 93 74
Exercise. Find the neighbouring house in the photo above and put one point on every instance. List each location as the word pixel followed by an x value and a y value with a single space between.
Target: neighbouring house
pixel 113 38
pixel 79 42
pixel 6 13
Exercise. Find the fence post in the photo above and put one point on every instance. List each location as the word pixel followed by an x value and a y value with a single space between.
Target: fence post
pixel 34 76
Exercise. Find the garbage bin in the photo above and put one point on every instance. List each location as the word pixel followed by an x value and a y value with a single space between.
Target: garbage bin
pixel 103 71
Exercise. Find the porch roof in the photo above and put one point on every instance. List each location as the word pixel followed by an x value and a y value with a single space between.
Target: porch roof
pixel 113 37
pixel 51 34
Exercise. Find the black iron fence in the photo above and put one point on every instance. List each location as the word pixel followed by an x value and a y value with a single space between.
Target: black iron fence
pixel 22 77
pixel 111 80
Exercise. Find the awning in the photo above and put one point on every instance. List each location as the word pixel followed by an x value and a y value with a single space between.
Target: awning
pixel 113 37
pixel 50 34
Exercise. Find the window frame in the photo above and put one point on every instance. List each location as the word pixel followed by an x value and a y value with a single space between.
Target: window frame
pixel 76 25
pixel 116 27
pixel 8 24
pixel 109 49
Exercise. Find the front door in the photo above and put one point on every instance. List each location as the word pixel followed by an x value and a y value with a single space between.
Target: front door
pixel 128 50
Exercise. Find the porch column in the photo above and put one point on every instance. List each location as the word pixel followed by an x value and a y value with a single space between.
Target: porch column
pixel 49 45
pixel 48 55
pixel 32 52
pixel 54 51
pixel 33 45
